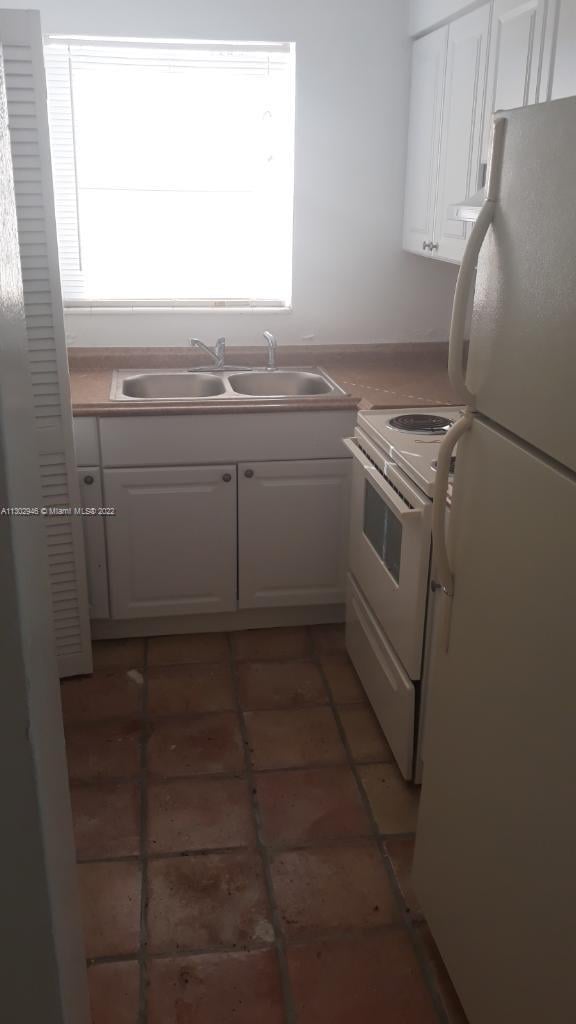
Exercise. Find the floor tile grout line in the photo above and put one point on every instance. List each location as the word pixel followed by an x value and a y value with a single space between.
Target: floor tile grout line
pixel 222 776
pixel 342 842
pixel 181 952
pixel 304 939
pixel 143 992
pixel 72 723
pixel 405 917
pixel 288 998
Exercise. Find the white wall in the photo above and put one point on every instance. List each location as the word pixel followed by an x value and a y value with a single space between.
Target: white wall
pixel 352 282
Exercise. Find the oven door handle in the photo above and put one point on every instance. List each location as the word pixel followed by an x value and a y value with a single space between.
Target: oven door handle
pixel 385 490
pixel 440 558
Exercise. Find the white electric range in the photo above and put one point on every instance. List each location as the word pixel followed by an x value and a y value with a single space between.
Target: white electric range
pixel 395 454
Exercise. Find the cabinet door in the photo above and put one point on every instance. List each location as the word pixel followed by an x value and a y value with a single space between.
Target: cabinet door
pixel 462 127
pixel 515 56
pixel 172 540
pixel 560 56
pixel 292 530
pixel 90 485
pixel 425 126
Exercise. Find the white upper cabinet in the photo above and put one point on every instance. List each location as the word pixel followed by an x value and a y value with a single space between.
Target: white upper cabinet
pixel 426 14
pixel 172 540
pixel 427 86
pixel 501 55
pixel 293 529
pixel 445 133
pixel 515 63
pixel 462 128
pixel 560 55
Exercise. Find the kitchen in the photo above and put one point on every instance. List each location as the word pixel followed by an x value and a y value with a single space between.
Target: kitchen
pixel 270 640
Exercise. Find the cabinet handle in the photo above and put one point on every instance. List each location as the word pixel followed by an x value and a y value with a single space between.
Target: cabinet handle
pixel 426 245
pixel 434 246
pixel 249 473
pixel 88 479
pixel 227 477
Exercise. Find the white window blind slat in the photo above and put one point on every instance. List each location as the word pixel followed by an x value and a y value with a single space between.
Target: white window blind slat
pixel 173 172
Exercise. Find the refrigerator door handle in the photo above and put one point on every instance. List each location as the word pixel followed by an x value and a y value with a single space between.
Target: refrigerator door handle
pixel 440 557
pixel 465 279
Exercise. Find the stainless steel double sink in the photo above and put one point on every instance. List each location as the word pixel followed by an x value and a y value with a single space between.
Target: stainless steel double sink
pixel 184 385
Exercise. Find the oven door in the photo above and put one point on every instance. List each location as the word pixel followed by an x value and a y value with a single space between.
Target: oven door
pixel 390 538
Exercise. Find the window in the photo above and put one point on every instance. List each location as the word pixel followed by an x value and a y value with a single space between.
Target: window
pixel 173 171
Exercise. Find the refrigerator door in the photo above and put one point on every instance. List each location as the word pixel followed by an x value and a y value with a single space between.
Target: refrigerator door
pixel 496 840
pixel 522 357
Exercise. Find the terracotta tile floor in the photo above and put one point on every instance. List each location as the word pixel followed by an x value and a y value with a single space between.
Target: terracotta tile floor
pixel 244 838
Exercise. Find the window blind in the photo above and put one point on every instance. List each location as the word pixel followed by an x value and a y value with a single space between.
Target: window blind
pixel 173 171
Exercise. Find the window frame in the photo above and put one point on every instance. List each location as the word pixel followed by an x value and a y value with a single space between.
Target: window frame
pixel 91 306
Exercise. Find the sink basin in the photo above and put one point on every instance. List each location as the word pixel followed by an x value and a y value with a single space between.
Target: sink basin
pixel 231 384
pixel 280 383
pixel 173 385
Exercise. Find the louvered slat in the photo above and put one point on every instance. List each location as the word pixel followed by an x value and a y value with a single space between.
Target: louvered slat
pixel 28 124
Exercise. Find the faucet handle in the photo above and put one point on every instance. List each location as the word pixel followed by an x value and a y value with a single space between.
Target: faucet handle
pixel 220 346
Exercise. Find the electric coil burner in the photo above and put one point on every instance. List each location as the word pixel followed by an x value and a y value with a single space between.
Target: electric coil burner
pixel 420 423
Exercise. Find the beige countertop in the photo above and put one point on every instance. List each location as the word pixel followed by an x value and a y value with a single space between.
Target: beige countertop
pixel 373 376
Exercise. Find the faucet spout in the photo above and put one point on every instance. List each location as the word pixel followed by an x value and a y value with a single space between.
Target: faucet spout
pixel 272 345
pixel 217 354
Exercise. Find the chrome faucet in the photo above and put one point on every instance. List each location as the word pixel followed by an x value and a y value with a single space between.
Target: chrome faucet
pixel 217 353
pixel 272 344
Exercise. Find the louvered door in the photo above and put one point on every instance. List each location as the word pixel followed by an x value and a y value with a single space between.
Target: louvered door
pixel 21 41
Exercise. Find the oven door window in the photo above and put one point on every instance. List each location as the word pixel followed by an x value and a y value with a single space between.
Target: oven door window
pixel 383 529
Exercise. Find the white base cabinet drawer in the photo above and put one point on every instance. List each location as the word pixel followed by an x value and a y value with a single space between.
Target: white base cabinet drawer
pixel 206 439
pixel 387 686
pixel 172 541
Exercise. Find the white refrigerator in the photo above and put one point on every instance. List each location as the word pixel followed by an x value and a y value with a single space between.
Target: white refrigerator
pixel 495 862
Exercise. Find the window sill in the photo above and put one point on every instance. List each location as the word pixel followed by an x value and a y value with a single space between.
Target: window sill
pixel 82 311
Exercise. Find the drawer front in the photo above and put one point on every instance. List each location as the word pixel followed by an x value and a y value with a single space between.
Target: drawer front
pixel 387 686
pixel 208 438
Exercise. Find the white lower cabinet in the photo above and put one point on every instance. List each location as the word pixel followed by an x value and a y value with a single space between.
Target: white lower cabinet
pixel 172 541
pixel 292 532
pixel 90 486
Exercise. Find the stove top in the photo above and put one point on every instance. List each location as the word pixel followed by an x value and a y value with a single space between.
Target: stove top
pixel 411 437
